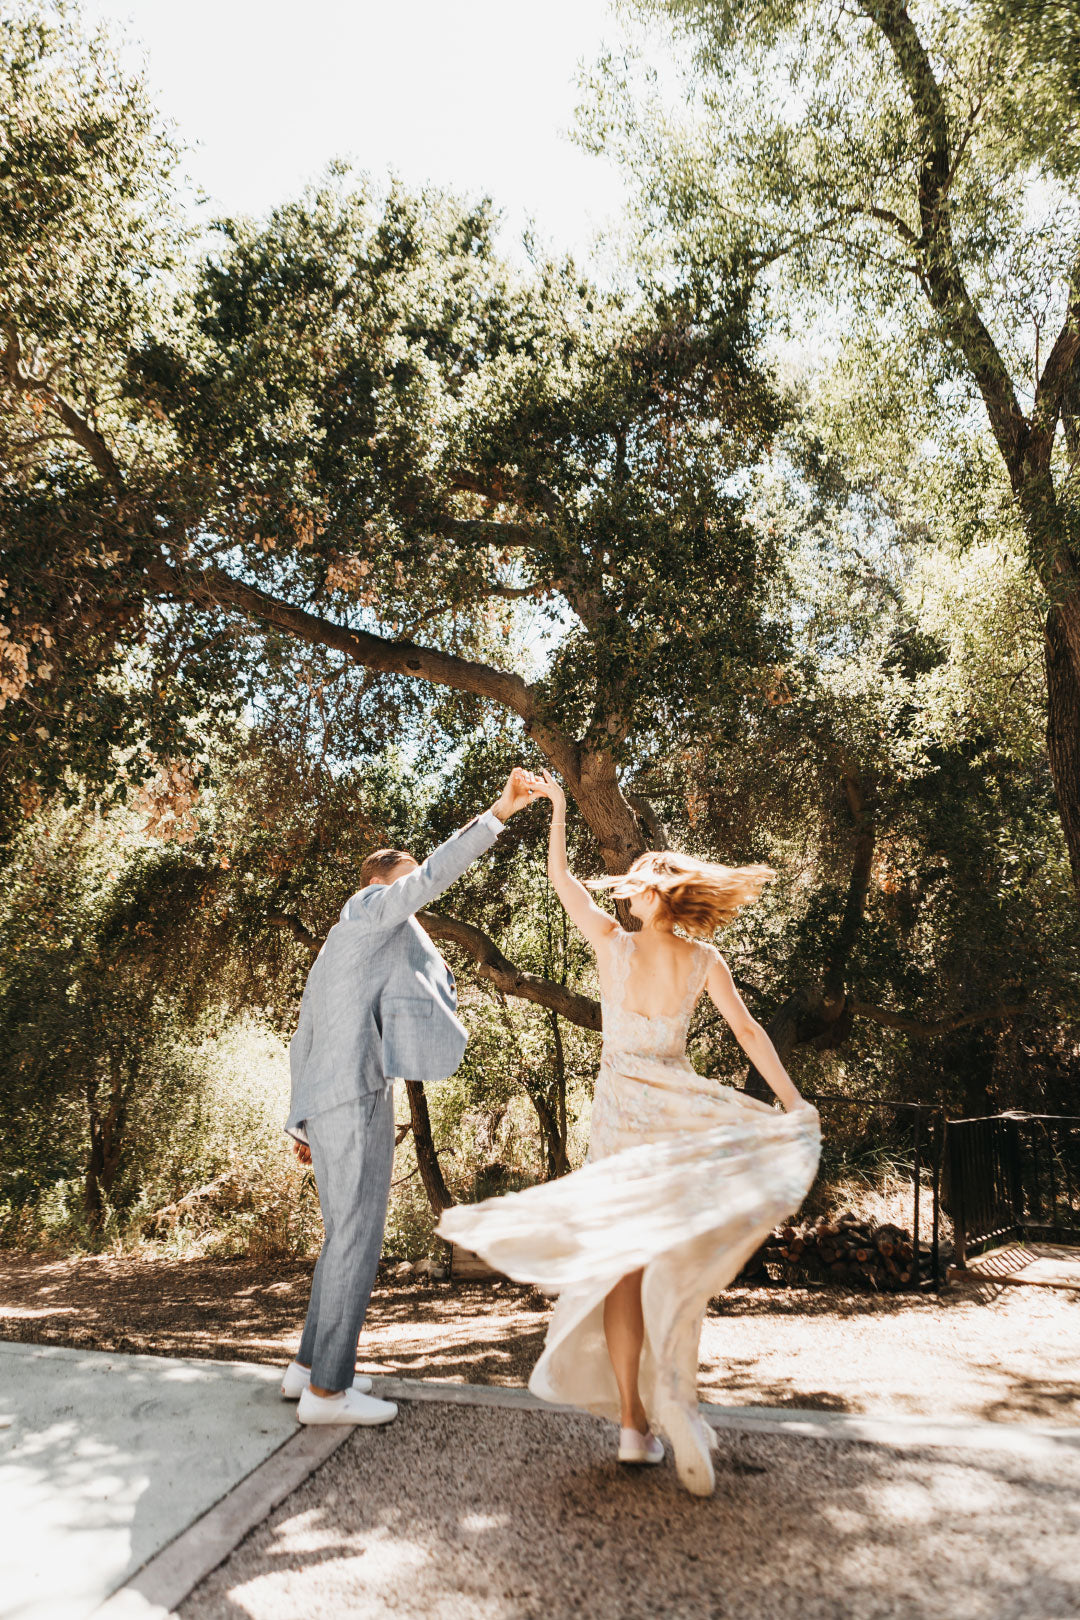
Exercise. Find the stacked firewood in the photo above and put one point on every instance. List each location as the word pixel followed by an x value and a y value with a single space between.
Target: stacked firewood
pixel 840 1249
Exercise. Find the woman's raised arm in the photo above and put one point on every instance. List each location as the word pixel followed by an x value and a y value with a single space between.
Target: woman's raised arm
pixel 750 1035
pixel 595 924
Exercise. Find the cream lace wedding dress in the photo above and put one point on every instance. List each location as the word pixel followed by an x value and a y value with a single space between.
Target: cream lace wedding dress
pixel 685 1177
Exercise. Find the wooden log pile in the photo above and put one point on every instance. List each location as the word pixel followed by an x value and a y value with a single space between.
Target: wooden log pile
pixel 224 1191
pixel 839 1249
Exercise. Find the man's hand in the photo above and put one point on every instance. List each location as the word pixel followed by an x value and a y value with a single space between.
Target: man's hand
pixel 519 791
pixel 302 1151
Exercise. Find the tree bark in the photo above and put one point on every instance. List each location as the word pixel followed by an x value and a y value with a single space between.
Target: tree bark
pixel 550 1108
pixel 106 1144
pixel 548 1120
pixel 492 965
pixel 1026 444
pixel 590 773
pixel 1063 733
pixel 608 813
pixel 562 1163
pixel 438 1193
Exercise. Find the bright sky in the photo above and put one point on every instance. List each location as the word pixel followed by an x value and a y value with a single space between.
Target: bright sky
pixel 475 95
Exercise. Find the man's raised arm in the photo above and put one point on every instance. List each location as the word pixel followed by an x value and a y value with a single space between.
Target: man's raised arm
pixel 385 905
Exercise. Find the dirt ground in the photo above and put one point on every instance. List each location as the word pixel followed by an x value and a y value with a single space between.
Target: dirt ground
pixel 994 1351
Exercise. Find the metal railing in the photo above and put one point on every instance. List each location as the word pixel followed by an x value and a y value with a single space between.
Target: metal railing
pixel 926 1146
pixel 1013 1176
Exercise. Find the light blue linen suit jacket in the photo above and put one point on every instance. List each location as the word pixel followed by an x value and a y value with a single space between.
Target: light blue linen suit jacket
pixel 380 1002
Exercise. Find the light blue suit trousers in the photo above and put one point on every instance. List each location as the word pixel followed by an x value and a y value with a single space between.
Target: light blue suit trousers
pixel 352 1154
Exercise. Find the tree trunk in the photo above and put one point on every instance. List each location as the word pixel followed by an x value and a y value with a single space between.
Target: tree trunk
pixel 103 1159
pixel 805 1015
pixel 428 1160
pixel 589 771
pixel 562 1163
pixel 548 1119
pixel 821 1012
pixel 608 814
pixel 1063 732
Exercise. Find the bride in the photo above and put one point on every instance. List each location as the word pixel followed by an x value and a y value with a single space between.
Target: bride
pixel 685 1177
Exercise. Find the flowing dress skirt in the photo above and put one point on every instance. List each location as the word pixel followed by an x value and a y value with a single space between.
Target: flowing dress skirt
pixel 685 1179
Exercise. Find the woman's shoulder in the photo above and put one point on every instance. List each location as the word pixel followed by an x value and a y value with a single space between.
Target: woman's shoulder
pixel 611 939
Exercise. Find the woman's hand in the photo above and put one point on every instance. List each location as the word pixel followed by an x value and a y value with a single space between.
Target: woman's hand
pixel 799 1106
pixel 546 787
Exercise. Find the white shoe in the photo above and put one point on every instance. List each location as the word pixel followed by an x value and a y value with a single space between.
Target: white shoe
pixel 690 1438
pixel 348 1407
pixel 297 1379
pixel 635 1447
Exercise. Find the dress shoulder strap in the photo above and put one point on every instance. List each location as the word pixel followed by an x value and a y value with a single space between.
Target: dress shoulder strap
pixel 619 958
pixel 704 957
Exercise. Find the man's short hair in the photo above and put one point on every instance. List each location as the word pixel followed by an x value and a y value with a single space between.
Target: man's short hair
pixel 379 864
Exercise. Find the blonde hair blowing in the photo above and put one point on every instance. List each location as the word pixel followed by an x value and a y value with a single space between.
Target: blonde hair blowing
pixel 698 896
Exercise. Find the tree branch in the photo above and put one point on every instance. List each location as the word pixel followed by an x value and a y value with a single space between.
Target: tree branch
pixel 1059 375
pixel 939 270
pixel 516 593
pixel 492 965
pixel 78 427
pixel 502 486
pixel 940 1026
pixel 661 838
pixel 485 532
pixel 858 886
pixel 215 588
pixel 281 919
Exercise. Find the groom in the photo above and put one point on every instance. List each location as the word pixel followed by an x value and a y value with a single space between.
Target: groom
pixel 379 1002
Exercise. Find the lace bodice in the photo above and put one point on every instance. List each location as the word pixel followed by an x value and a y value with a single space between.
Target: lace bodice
pixel 651 1037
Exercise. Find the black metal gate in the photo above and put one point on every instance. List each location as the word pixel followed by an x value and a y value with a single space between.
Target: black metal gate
pixel 1013 1176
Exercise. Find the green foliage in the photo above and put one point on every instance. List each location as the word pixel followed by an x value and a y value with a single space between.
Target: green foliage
pixel 790 605
pixel 891 168
pixel 92 244
pixel 356 407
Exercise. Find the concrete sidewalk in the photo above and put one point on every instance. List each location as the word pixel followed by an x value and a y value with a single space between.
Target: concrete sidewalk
pixel 105 1458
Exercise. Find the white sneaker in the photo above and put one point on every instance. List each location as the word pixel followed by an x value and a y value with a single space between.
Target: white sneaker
pixel 635 1447
pixel 348 1407
pixel 690 1438
pixel 297 1379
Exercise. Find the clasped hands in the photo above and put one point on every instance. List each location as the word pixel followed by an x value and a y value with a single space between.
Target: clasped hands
pixel 522 787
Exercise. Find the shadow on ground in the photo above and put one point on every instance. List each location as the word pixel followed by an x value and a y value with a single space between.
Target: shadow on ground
pixel 988 1351
pixel 106 1458
pixel 501 1515
pixel 243 1310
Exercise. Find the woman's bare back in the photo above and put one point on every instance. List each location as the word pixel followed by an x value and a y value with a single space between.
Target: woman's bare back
pixel 661 968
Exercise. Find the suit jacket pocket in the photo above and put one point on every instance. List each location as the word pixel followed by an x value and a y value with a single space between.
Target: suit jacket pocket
pixel 409 1030
pixel 395 1007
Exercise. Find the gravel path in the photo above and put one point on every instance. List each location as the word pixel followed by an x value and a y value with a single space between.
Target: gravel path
pixel 466 1513
pixel 1001 1352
